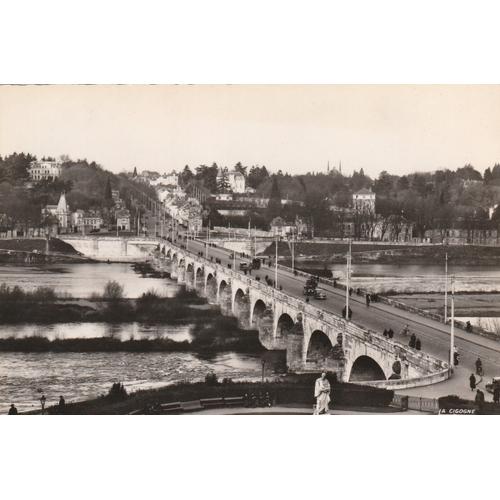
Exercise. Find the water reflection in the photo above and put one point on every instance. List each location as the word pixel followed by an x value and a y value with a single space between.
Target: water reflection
pixel 122 331
pixel 81 280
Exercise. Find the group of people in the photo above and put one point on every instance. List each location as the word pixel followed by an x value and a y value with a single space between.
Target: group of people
pixel 415 342
pixel 60 406
pixel 389 333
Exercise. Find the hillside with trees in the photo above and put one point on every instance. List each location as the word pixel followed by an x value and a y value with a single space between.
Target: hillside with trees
pixel 87 186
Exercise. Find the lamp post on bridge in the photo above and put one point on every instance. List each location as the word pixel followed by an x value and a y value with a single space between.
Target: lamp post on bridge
pixel 276 265
pixel 348 281
pixel 446 288
pixel 452 328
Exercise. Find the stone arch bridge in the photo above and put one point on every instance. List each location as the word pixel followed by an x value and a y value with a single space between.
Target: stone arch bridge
pixel 314 340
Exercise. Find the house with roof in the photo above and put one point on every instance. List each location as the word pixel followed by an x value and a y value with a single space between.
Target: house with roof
pixel 364 201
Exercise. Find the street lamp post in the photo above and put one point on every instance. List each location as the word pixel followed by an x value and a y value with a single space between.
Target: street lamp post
pixel 276 265
pixel 293 252
pixel 347 285
pixel 452 329
pixel 446 288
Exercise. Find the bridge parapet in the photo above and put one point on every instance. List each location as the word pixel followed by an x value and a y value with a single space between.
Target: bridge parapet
pixel 310 346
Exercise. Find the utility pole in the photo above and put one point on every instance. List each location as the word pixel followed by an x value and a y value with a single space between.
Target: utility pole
pixel 446 288
pixel 347 283
pixel 206 242
pixel 452 329
pixel 276 265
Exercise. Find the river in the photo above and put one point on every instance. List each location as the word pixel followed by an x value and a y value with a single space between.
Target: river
pixel 406 278
pixel 77 376
pixel 82 280
pixel 80 376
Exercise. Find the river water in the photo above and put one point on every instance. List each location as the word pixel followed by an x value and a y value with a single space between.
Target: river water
pixel 420 278
pixel 77 376
pixel 80 376
pixel 81 280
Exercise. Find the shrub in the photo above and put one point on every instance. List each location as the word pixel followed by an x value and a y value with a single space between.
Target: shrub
pixel 117 392
pixel 113 291
pixel 211 378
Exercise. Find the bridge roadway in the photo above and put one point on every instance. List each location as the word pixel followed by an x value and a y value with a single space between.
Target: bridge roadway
pixel 435 337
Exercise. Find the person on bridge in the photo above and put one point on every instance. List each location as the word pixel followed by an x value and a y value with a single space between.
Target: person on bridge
pixel 472 382
pixel 480 399
pixel 496 394
pixel 479 367
pixel 322 395
pixel 349 313
pixel 12 409
pixel 368 300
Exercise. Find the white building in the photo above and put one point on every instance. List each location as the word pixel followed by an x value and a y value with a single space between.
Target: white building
pixel 123 220
pixel 41 170
pixel 364 201
pixel 61 211
pixel 235 179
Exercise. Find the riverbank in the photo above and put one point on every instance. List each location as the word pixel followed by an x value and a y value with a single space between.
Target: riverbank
pixel 318 254
pixel 34 251
pixel 294 389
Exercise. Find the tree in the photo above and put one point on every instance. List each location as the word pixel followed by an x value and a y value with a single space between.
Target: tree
pixel 468 173
pixel 240 168
pixel 113 291
pixel 274 204
pixel 223 185
pixel 108 194
pixel 186 176
pixel 487 176
pixel 135 172
pixel 208 176
pixel 257 176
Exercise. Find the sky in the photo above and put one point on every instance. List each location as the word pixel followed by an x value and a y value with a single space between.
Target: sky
pixel 295 128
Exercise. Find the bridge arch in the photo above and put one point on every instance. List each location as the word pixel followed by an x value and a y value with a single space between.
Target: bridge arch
pixel 258 311
pixel 319 347
pixel 211 287
pixel 224 296
pixel 284 324
pixel 241 307
pixel 199 282
pixel 366 368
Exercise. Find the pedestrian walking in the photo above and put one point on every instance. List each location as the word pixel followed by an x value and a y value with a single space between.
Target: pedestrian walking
pixel 418 344
pixel 42 402
pixel 472 382
pixel 413 341
pixel 496 394
pixel 368 299
pixel 390 333
pixel 386 334
pixel 480 399
pixel 62 402
pixel 12 410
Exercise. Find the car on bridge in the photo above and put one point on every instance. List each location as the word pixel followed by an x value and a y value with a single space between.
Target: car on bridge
pixel 319 294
